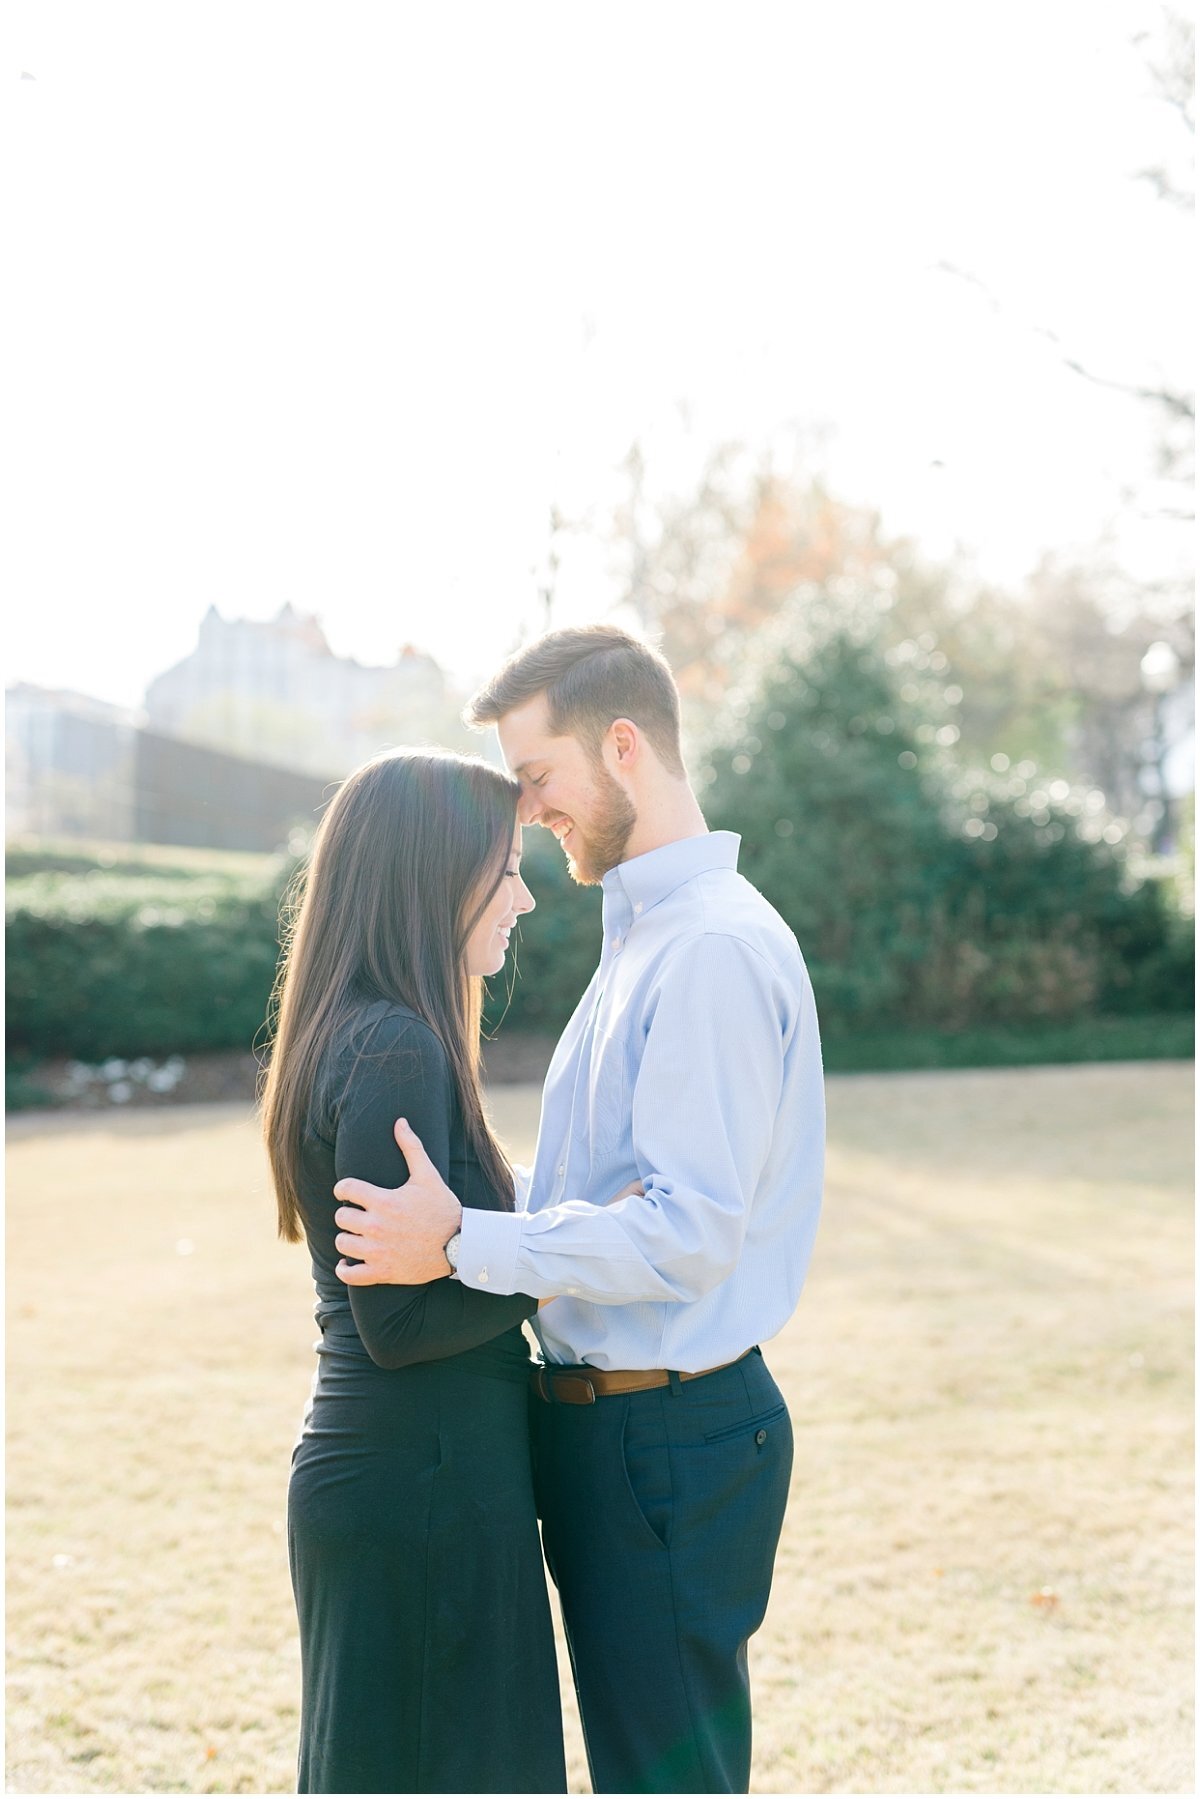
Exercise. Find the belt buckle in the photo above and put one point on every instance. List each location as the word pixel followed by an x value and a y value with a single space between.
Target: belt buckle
pixel 550 1376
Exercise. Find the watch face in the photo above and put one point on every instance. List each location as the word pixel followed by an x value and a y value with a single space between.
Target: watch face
pixel 452 1250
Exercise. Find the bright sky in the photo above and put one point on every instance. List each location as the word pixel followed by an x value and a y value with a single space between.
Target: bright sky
pixel 330 303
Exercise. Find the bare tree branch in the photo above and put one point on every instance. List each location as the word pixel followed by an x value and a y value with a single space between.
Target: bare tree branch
pixel 1171 61
pixel 1167 188
pixel 1179 405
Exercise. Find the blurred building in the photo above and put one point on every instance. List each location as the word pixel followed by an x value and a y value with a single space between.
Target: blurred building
pixel 68 767
pixel 188 793
pixel 239 744
pixel 77 767
pixel 273 690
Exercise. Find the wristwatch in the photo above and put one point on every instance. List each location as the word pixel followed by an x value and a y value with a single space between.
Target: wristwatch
pixel 451 1251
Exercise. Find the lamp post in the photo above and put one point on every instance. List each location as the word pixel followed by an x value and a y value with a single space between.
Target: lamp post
pixel 1160 672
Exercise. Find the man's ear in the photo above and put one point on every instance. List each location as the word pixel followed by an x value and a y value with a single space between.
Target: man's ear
pixel 625 741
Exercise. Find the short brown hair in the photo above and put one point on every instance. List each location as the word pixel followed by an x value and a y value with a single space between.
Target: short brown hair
pixel 590 675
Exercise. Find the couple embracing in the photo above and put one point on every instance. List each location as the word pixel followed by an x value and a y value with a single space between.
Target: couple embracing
pixel 664 1230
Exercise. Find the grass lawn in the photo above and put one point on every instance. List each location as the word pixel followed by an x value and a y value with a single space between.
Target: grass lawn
pixel 985 1582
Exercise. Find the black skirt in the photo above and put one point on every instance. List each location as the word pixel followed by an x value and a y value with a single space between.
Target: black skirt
pixel 427 1647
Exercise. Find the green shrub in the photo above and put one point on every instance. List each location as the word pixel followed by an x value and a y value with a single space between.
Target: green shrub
pixel 105 964
pixel 85 856
pixel 143 960
pixel 23 1091
pixel 920 893
pixel 1159 1036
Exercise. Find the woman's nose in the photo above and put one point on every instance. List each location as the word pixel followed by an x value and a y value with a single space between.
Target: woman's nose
pixel 525 899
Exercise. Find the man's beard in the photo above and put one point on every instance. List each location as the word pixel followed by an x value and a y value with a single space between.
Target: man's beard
pixel 603 845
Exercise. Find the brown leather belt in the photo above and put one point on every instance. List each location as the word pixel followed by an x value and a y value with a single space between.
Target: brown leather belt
pixel 583 1386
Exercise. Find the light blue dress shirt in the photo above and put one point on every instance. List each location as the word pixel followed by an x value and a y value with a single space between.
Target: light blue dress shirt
pixel 693 1064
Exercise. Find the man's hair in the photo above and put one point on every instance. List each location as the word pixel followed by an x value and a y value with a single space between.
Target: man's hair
pixel 590 675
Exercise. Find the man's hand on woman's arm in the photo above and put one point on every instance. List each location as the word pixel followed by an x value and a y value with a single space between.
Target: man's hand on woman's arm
pixel 397 1235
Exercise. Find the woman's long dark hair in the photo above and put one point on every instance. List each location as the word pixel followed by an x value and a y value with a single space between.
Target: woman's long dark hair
pixel 410 851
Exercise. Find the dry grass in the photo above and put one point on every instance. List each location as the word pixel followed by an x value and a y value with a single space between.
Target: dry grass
pixel 985 1583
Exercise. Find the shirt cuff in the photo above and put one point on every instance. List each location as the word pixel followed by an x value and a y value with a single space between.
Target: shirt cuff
pixel 488 1250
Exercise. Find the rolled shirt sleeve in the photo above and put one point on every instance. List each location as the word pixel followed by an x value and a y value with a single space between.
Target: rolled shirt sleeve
pixel 704 1099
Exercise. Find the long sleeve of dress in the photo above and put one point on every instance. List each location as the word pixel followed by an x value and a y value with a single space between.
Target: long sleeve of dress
pixel 400 1071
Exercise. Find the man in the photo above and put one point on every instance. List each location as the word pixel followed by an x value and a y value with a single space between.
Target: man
pixel 691 1065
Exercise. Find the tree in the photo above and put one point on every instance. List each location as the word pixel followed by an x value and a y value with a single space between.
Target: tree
pixel 922 893
pixel 1047 676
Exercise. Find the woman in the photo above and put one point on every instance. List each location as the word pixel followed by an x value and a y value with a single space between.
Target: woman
pixel 428 1656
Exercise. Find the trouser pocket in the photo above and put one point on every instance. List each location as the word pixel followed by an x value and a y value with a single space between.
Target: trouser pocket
pixel 646 1460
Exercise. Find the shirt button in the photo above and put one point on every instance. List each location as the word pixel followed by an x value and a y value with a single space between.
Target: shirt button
pixel 572 1292
pixel 638 907
pixel 561 1170
pixel 616 943
pixel 482 1277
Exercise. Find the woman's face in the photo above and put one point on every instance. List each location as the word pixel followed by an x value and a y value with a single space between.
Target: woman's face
pixel 488 943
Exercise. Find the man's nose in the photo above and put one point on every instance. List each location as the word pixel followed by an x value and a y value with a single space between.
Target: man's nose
pixel 529 807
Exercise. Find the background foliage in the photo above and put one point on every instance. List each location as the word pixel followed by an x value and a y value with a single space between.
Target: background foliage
pixel 923 892
pixel 927 894
pixel 140 960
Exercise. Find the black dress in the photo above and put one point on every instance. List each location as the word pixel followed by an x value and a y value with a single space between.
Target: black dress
pixel 427 1649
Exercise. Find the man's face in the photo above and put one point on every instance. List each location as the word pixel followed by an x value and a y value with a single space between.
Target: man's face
pixel 563 788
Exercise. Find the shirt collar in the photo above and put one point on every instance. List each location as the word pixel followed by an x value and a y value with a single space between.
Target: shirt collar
pixel 645 880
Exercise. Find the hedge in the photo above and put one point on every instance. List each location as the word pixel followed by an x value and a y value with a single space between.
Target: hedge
pixel 150 961
pixel 925 897
pixel 121 965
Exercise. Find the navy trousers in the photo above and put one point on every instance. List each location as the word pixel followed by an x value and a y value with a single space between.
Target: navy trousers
pixel 661 1513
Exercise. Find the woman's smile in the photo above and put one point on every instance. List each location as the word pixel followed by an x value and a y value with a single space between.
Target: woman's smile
pixel 488 943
